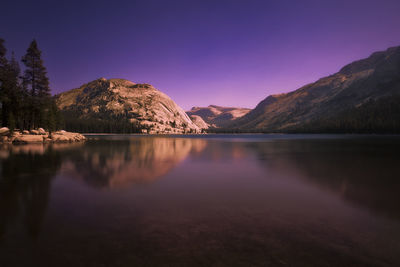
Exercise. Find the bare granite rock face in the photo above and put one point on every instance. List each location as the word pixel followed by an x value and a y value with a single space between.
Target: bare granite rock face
pixel 118 98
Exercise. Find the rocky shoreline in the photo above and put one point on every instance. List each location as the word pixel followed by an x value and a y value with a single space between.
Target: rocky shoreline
pixel 38 136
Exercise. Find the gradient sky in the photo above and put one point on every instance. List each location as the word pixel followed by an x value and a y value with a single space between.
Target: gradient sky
pixel 230 53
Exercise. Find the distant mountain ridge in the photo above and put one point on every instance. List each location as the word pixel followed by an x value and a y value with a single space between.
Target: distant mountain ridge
pixel 217 116
pixel 114 100
pixel 364 96
pixel 373 79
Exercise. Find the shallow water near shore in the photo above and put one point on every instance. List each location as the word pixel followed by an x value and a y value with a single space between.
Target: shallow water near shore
pixel 212 200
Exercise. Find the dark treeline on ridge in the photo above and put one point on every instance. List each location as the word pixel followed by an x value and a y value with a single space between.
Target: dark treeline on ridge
pixel 25 98
pixel 381 116
pixel 118 124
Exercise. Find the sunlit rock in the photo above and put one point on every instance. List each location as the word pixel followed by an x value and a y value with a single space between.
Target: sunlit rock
pixel 31 138
pixel 36 132
pixel 140 104
pixel 4 131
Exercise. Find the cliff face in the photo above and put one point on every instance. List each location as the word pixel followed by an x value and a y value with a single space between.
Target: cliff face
pixel 354 85
pixel 118 98
pixel 199 122
pixel 217 116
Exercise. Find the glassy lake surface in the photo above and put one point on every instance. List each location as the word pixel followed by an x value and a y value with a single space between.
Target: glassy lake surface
pixel 217 200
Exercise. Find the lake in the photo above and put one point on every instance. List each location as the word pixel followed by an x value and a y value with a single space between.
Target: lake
pixel 213 200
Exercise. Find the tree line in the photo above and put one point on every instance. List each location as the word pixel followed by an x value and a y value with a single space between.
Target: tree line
pixel 379 116
pixel 376 116
pixel 25 99
pixel 108 124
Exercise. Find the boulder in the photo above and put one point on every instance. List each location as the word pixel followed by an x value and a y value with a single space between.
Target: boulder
pixel 60 138
pixel 31 138
pixel 35 132
pixel 42 131
pixel 4 131
pixel 25 132
pixel 63 136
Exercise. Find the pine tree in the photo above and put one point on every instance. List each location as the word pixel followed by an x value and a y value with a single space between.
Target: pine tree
pixel 36 82
pixel 3 59
pixel 15 93
pixel 51 117
pixel 3 89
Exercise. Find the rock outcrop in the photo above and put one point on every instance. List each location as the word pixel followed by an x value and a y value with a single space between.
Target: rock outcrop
pixel 141 104
pixel 38 136
pixel 217 116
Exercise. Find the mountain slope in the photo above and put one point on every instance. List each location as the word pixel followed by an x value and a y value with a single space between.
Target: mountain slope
pixel 123 100
pixel 199 122
pixel 354 85
pixel 218 116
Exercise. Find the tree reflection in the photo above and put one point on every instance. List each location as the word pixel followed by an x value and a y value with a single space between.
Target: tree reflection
pixel 26 174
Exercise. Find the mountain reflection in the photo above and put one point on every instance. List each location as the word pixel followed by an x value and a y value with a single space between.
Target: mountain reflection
pixel 27 171
pixel 111 163
pixel 363 172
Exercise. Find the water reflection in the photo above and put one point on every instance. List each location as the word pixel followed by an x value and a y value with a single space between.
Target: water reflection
pixel 362 171
pixel 25 180
pixel 253 200
pixel 110 163
pixel 26 171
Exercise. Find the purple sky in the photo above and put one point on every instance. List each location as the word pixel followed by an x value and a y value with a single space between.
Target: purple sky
pixel 230 53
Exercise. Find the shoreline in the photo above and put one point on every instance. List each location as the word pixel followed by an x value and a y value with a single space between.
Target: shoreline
pixel 38 136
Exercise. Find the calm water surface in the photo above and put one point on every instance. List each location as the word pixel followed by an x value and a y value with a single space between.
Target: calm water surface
pixel 218 200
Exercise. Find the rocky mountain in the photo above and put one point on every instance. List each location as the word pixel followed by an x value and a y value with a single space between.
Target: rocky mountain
pixel 199 122
pixel 119 100
pixel 362 87
pixel 217 116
